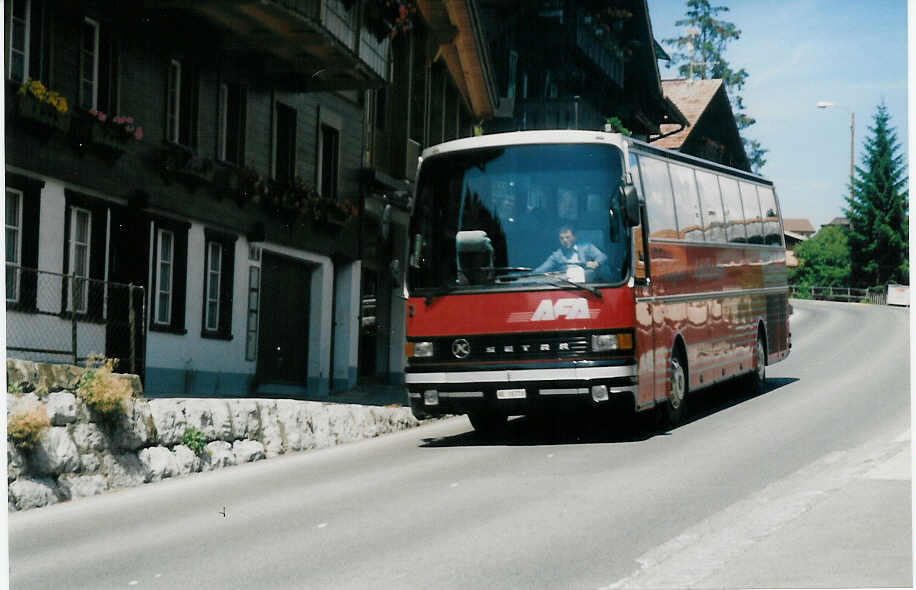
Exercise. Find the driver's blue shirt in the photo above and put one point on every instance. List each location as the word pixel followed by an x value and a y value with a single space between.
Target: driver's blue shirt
pixel 578 254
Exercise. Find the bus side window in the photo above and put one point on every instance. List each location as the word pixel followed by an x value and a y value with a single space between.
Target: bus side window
pixel 772 233
pixel 659 202
pixel 638 249
pixel 686 203
pixel 752 216
pixel 711 202
pixel 734 216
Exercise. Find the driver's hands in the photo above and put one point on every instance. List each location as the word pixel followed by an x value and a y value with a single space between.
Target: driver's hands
pixel 591 264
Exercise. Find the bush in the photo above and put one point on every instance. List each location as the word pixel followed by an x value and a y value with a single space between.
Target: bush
pixel 194 439
pixel 104 392
pixel 24 427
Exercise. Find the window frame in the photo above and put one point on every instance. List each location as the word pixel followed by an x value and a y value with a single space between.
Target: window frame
pixel 225 243
pixel 27 40
pixel 75 212
pixel 93 102
pixel 17 263
pixel 173 102
pixel 211 275
pixel 160 232
pixel 282 110
pixel 231 97
pixel 332 122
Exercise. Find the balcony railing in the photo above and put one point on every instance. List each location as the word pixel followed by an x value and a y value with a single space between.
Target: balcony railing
pixel 597 46
pixel 557 113
pixel 313 44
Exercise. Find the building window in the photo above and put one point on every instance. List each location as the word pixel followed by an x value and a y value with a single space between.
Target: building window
pixel 181 103
pixel 13 244
pixel 168 275
pixel 329 151
pixel 173 108
pixel 80 235
pixel 254 291
pixel 20 34
pixel 211 287
pixel 285 143
pixel 89 65
pixel 231 123
pixel 219 265
pixel 165 255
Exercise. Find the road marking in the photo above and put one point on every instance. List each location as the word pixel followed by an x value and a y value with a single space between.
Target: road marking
pixel 707 547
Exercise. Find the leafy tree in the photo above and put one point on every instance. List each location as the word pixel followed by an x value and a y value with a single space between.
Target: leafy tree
pixel 823 260
pixel 700 54
pixel 877 210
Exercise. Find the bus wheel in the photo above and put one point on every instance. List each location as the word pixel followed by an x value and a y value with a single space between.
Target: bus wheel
pixel 759 375
pixel 488 425
pixel 677 396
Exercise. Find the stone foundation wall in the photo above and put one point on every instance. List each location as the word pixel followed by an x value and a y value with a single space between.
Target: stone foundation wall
pixel 82 454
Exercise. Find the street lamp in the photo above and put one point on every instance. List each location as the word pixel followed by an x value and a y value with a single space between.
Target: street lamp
pixel 826 104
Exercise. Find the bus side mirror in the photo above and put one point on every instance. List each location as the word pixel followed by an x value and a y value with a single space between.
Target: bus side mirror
pixel 630 204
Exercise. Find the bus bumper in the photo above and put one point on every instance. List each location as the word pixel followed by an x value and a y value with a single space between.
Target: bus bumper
pixel 519 392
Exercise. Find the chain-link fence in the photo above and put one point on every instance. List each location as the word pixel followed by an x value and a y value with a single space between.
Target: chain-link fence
pixel 57 318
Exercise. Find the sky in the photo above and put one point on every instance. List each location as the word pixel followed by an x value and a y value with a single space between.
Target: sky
pixel 800 52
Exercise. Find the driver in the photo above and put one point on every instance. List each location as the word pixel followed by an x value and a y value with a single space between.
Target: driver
pixel 571 253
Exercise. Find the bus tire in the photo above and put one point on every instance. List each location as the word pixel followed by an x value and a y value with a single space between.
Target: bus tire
pixel 677 385
pixel 758 377
pixel 488 425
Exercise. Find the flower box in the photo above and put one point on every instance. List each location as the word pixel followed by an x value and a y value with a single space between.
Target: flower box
pixel 41 114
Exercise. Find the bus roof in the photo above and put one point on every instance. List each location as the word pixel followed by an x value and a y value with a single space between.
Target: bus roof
pixel 580 136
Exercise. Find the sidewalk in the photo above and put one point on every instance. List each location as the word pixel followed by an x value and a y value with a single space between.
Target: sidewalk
pixel 842 521
pixel 364 395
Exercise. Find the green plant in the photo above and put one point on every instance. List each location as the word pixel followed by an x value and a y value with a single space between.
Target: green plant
pixel 13 388
pixel 37 90
pixel 194 439
pixel 616 126
pixel 24 427
pixel 103 391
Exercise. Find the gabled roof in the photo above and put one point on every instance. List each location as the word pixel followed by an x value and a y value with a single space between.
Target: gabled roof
pixel 692 98
pixel 798 226
pixel 838 221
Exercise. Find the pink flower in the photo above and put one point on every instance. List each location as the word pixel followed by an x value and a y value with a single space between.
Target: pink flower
pixel 130 120
pixel 138 134
pixel 93 112
pixel 103 117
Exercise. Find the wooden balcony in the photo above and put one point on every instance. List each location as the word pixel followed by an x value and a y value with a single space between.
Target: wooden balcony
pixel 311 45
pixel 597 46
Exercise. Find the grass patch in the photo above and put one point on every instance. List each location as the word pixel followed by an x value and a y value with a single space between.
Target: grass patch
pixel 102 390
pixel 194 439
pixel 24 427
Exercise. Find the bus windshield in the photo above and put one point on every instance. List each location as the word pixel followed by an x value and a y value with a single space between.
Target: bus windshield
pixel 518 215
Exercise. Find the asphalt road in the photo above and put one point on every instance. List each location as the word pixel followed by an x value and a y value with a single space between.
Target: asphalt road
pixel 804 485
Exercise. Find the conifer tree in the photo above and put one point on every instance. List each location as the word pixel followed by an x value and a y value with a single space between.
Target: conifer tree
pixel 700 54
pixel 877 210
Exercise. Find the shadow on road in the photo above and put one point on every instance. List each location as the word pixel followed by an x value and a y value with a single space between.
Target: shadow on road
pixel 605 427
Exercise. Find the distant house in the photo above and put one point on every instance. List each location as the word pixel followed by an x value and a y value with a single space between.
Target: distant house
pixel 837 222
pixel 711 132
pixel 796 231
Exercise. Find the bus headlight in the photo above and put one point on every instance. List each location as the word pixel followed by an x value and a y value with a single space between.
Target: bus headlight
pixel 419 349
pixel 605 342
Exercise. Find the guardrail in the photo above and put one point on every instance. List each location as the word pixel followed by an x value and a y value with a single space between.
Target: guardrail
pixel 873 295
pixel 58 318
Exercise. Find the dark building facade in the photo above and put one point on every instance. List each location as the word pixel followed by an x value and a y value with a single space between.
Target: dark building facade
pixel 224 157
pixel 575 64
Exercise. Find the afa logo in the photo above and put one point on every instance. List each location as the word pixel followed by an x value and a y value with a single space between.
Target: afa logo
pixel 570 309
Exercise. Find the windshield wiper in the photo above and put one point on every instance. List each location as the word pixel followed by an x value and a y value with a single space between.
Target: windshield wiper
pixel 555 279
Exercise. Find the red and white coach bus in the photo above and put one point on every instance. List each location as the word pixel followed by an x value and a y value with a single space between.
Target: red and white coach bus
pixel 580 267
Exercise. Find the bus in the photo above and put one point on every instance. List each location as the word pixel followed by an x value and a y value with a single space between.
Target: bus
pixel 582 269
